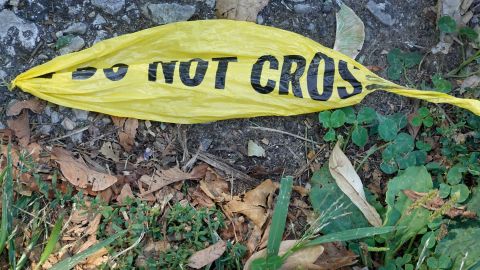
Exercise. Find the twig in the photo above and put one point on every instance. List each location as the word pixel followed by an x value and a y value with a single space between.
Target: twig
pixel 286 133
pixel 80 130
pixel 299 172
pixel 129 248
pixel 217 163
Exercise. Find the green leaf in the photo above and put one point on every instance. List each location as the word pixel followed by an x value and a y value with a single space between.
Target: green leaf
pixel 63 41
pixel 403 143
pixel 447 24
pixel 444 262
pixel 409 221
pixel 430 237
pixel 444 190
pixel 455 174
pixel 262 263
pixel 395 57
pixel 406 160
pixel 337 119
pixel 7 200
pixel 440 84
pixel 279 217
pixel 474 202
pixel 423 112
pixel 457 244
pixel 52 242
pixel 324 118
pixel 387 129
pixel 348 235
pixel 360 136
pixel 70 262
pixel 330 135
pixel 417 121
pixel 432 262
pixel 394 72
pixel 389 153
pixel 324 193
pixel 366 115
pixel 461 191
pixel 350 116
pixel 423 146
pixel 400 119
pixel 388 167
pixel 412 59
pixel 468 33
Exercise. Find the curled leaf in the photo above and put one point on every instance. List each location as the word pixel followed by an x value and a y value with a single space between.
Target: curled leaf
pixel 350 33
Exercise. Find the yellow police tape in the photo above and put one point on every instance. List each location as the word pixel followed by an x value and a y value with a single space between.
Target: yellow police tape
pixel 201 71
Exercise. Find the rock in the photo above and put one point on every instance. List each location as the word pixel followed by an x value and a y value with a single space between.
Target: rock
pixel 168 12
pixel 27 32
pixel 302 8
pixel 126 19
pixel 2 126
pixel 68 124
pixel 3 75
pixel 111 7
pixel 45 129
pixel 378 10
pixel 54 117
pixel 2 3
pixel 74 10
pixel 76 44
pixel 77 138
pixel 76 28
pixel 327 7
pixel 210 3
pixel 99 20
pixel 101 35
pixel 80 114
pixel 260 19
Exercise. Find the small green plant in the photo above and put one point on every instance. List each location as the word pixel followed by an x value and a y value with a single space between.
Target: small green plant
pixel 399 62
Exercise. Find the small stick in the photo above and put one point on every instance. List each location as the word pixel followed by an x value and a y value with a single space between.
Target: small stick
pixel 286 133
pixel 215 162
pixel 80 130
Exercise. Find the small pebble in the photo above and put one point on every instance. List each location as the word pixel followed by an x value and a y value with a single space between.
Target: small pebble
pixel 68 124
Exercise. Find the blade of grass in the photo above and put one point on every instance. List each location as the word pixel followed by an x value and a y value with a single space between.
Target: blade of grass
pixel 52 241
pixel 352 234
pixel 7 201
pixel 279 217
pixel 69 263
pixel 37 232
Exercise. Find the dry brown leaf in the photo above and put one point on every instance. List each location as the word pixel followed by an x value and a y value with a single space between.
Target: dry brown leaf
pixel 349 182
pixel 21 128
pixel 125 193
pixel 34 105
pixel 303 259
pixel 164 178
pixel 127 132
pixel 254 239
pixel 335 256
pixel 78 174
pixel 208 255
pixel 242 10
pixel 436 203
pixel 200 198
pixel 350 33
pixel 215 186
pixel 254 203
pixel 107 151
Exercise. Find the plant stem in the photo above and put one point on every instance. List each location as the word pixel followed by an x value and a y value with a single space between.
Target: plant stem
pixel 370 152
pixel 464 64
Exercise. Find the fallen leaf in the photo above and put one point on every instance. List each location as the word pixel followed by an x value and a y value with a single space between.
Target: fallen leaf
pixel 125 193
pixel 335 256
pixel 215 186
pixel 254 203
pixel 350 33
pixel 201 199
pixel 78 174
pixel 128 131
pixel 242 10
pixel 254 239
pixel 107 151
pixel 255 150
pixel 34 105
pixel 349 182
pixel 208 255
pixel 302 259
pixel 413 130
pixel 153 248
pixel 21 128
pixel 436 203
pixel 470 82
pixel 164 178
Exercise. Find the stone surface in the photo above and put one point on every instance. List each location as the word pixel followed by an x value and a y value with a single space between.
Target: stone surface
pixel 168 12
pixel 54 117
pixel 80 114
pixel 68 124
pixel 302 8
pixel 99 20
pixel 76 28
pixel 76 44
pixel 378 10
pixel 27 32
pixel 111 7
